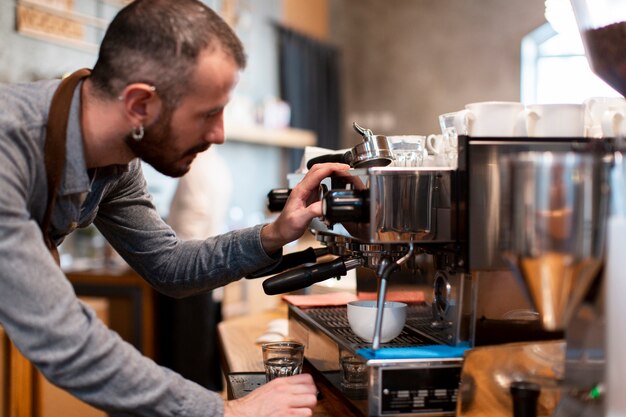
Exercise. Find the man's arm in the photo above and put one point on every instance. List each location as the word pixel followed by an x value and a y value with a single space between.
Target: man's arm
pixel 129 221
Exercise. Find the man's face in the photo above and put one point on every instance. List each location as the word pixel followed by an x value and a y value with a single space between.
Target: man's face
pixel 172 142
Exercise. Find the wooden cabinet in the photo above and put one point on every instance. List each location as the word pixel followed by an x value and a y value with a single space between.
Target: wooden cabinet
pixel 4 373
pixel 24 392
pixel 122 300
pixel 131 303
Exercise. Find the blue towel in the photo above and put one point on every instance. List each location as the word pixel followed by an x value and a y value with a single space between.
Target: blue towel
pixel 414 352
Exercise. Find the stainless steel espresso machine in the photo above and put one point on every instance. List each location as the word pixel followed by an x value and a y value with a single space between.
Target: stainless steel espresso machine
pixel 397 221
pixel 391 222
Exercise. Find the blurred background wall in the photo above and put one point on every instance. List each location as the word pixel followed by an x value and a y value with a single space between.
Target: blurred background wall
pixel 407 61
pixel 403 62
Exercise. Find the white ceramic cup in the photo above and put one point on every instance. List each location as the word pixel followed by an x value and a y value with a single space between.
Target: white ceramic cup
pixel 362 319
pixel 440 152
pixel 595 109
pixel 435 144
pixel 555 120
pixel 491 119
pixel 614 122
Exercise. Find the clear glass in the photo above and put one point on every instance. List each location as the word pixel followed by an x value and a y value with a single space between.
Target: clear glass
pixel 450 135
pixel 282 359
pixel 353 370
pixel 408 150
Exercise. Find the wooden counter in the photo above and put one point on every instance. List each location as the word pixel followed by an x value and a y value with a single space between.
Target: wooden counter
pixel 242 354
pixel 237 338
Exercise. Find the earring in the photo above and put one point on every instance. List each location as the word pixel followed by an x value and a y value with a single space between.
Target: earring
pixel 137 133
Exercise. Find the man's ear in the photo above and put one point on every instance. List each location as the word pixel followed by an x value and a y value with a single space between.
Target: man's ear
pixel 141 103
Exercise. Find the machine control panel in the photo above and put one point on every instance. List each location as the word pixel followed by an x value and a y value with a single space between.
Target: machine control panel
pixel 429 390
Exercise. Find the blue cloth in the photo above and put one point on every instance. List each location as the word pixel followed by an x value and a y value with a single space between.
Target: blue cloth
pixel 414 352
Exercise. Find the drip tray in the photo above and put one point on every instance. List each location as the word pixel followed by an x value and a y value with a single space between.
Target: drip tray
pixel 239 384
pixel 417 331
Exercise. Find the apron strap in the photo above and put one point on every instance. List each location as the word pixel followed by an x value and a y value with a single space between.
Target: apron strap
pixel 54 148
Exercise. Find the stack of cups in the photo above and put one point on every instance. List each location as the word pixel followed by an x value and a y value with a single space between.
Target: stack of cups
pixel 597 117
pixel 512 119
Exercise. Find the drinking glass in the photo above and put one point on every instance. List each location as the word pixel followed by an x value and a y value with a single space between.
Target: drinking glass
pixel 451 137
pixel 282 359
pixel 408 150
pixel 353 369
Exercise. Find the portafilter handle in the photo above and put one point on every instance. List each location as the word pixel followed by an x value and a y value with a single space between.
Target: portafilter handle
pixel 298 278
pixel 292 260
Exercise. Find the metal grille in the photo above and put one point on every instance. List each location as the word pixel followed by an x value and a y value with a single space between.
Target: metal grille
pixel 424 326
pixel 335 320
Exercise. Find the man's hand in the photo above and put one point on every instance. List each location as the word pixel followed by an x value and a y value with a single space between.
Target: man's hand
pixel 287 396
pixel 301 207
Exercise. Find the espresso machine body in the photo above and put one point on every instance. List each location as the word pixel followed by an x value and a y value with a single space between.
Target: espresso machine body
pixel 453 218
pixel 377 219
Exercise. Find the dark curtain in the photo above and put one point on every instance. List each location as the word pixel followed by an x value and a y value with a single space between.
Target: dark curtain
pixel 310 83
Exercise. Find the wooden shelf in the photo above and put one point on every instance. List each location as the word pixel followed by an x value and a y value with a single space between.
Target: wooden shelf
pixel 287 137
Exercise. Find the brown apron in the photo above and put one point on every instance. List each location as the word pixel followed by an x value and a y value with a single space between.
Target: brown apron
pixel 22 397
pixel 54 148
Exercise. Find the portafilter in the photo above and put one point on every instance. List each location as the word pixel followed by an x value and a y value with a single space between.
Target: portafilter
pixel 374 151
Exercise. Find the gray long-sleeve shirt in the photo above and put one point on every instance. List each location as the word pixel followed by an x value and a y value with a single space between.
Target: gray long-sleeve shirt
pixel 38 307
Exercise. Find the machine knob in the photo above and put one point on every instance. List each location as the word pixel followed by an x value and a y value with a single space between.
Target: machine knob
pixel 525 396
pixel 277 198
pixel 340 206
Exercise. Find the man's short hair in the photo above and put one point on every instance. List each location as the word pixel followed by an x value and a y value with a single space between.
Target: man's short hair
pixel 158 42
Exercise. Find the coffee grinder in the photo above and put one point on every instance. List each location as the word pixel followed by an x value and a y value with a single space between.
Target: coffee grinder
pixel 556 246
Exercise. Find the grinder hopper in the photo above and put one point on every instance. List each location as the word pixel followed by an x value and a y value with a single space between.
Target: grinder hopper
pixel 557 207
pixel 602 25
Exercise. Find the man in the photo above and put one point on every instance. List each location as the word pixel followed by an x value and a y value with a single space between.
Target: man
pixel 157 92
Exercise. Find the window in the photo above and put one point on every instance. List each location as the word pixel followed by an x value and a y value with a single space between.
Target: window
pixel 555 69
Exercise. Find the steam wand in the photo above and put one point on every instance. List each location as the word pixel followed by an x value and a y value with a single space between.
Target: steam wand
pixel 386 270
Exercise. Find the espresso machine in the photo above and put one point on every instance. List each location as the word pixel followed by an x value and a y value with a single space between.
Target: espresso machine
pixel 478 236
pixel 391 222
pixel 395 222
pixel 445 228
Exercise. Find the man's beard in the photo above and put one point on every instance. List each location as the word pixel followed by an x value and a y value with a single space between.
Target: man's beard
pixel 156 147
